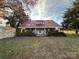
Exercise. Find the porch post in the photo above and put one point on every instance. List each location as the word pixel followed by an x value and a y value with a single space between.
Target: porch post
pixel 35 29
pixel 21 30
pixel 45 31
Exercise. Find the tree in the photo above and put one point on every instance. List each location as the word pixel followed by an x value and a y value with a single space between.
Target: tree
pixel 18 18
pixel 19 15
pixel 71 17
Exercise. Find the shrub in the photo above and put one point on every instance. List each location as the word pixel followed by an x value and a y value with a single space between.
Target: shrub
pixel 27 33
pixel 18 31
pixel 53 32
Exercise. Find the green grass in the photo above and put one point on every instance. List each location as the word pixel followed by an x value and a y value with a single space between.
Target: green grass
pixel 39 48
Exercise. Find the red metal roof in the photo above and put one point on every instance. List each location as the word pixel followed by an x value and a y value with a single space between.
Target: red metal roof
pixel 40 24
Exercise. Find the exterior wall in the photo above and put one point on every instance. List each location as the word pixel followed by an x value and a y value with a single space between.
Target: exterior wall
pixel 6 32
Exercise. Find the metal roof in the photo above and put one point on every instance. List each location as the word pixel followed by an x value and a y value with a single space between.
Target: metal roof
pixel 40 24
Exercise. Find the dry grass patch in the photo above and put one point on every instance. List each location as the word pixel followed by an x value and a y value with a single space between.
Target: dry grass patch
pixel 70 33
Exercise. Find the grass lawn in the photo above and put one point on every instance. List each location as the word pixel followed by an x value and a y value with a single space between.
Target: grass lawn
pixel 70 33
pixel 40 48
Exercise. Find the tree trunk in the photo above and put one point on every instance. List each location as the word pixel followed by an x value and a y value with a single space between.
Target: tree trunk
pixel 76 31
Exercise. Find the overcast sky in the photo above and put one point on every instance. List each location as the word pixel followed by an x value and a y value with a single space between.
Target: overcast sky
pixel 53 9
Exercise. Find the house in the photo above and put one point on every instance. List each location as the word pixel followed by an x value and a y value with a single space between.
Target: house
pixel 40 27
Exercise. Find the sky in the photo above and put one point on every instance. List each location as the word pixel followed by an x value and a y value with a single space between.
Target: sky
pixel 50 10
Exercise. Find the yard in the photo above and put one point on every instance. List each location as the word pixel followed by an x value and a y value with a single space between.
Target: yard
pixel 39 48
pixel 70 33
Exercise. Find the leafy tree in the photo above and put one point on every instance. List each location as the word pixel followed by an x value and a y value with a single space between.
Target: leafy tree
pixel 19 15
pixel 71 17
pixel 18 18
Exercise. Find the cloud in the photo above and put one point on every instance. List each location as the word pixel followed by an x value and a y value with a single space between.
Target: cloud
pixel 45 6
pixel 40 7
pixel 51 8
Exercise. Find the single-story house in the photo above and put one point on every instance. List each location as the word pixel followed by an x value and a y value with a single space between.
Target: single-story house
pixel 39 27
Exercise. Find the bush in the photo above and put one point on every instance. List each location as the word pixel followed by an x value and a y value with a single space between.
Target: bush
pixel 27 33
pixel 53 32
pixel 18 31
